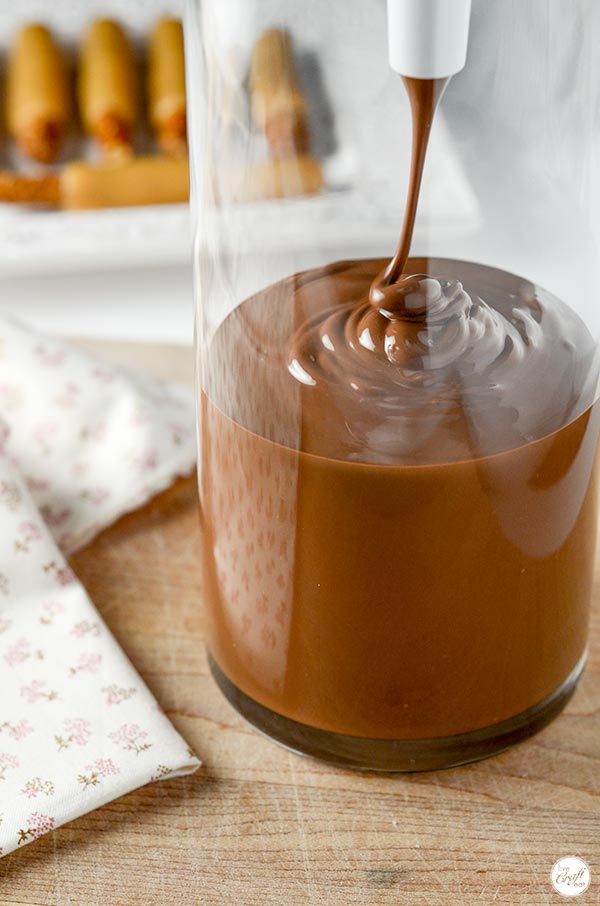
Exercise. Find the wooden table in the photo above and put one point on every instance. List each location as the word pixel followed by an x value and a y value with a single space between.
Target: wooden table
pixel 259 826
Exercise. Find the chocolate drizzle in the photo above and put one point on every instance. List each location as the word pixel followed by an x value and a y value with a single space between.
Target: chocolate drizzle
pixel 424 96
pixel 445 362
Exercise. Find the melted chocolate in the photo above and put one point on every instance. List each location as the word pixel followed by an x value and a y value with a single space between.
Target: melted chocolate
pixel 424 96
pixel 397 490
pixel 438 361
pixel 464 368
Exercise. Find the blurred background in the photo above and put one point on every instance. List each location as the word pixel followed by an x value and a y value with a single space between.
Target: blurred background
pixel 509 179
pixel 122 272
pixel 111 273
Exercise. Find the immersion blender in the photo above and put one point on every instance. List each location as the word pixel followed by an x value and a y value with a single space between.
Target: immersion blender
pixel 427 39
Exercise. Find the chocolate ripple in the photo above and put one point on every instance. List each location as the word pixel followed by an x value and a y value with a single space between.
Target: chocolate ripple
pixel 465 363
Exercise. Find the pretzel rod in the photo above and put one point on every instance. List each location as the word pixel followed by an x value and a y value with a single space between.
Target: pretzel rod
pixel 116 183
pixel 277 103
pixel 286 177
pixel 107 88
pixel 37 94
pixel 159 180
pixel 29 189
pixel 127 183
pixel 166 86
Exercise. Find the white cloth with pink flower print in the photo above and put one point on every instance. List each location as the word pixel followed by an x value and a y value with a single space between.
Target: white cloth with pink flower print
pixel 81 443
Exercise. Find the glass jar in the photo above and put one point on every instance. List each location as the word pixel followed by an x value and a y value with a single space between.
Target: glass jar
pixel 398 504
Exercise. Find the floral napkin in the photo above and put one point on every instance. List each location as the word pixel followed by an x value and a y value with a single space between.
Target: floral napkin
pixel 91 440
pixel 81 442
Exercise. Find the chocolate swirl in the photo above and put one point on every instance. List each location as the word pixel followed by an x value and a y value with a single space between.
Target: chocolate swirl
pixel 433 368
pixel 424 326
pixel 424 331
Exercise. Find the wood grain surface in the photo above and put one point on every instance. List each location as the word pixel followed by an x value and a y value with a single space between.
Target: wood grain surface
pixel 258 826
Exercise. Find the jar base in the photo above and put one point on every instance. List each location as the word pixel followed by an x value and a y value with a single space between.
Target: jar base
pixel 398 755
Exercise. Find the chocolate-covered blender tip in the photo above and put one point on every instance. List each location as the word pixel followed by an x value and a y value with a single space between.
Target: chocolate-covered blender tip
pixel 396 473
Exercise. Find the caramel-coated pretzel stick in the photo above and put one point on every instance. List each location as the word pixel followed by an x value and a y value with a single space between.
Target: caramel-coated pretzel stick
pixel 166 86
pixel 119 183
pixel 277 103
pixel 107 88
pixel 37 94
pixel 159 180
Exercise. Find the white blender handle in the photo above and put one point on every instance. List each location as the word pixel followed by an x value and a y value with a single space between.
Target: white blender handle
pixel 428 38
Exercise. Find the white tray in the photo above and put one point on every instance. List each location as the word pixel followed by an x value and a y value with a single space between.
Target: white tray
pixel 39 242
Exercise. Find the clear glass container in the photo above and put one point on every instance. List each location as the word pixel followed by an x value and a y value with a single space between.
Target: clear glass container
pixel 398 503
